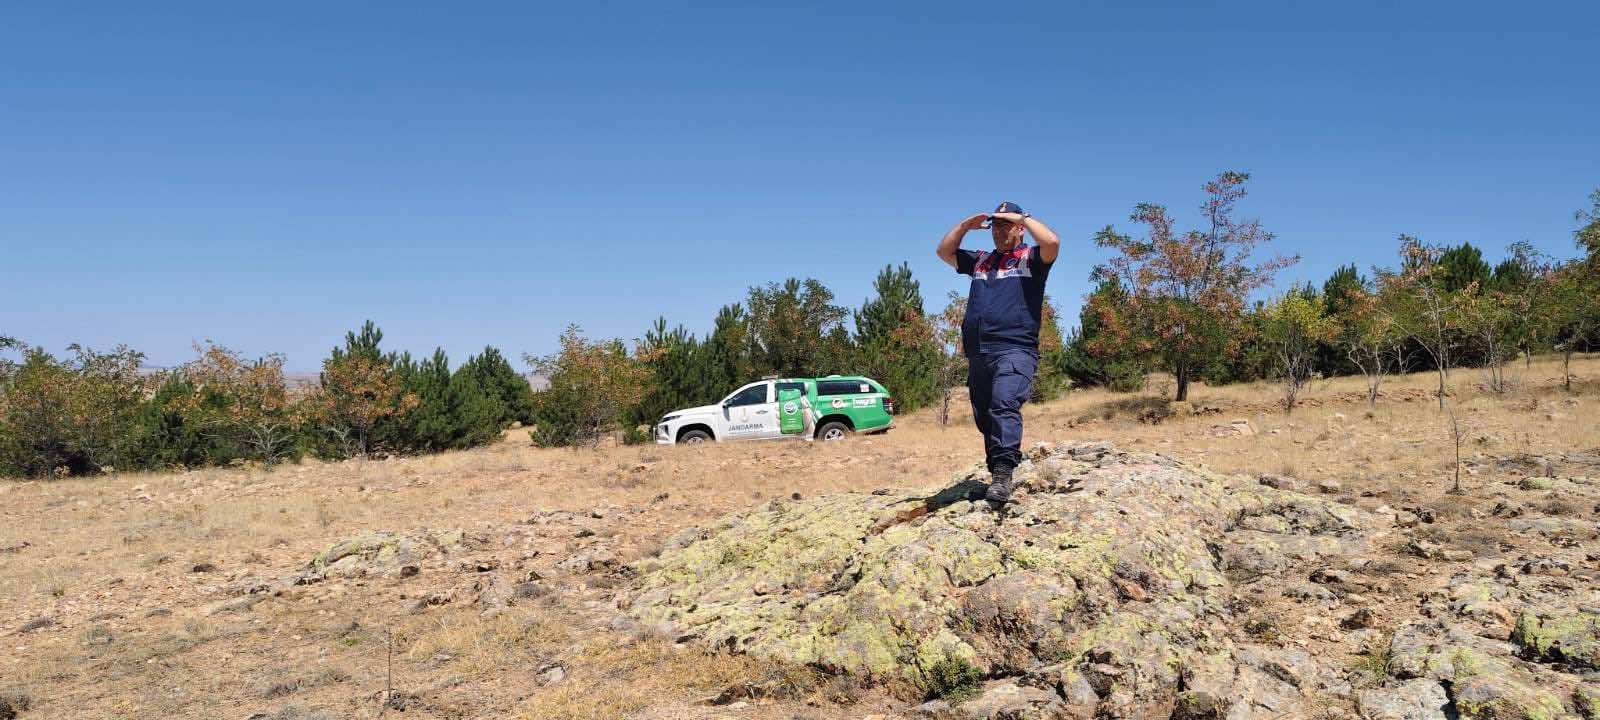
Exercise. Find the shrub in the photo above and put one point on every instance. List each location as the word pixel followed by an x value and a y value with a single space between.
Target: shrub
pixel 953 680
pixel 78 416
pixel 594 386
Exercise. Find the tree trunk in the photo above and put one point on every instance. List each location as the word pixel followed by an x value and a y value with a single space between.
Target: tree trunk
pixel 1566 366
pixel 1183 382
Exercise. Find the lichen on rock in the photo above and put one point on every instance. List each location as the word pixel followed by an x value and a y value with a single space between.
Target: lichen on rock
pixel 1106 583
pixel 1572 638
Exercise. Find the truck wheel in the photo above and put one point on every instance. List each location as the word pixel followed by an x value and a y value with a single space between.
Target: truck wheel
pixel 831 431
pixel 694 437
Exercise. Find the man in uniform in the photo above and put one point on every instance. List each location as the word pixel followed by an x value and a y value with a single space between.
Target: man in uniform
pixel 1000 333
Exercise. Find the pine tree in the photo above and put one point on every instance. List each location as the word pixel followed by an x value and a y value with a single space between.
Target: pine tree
pixel 1461 267
pixel 676 360
pixel 1339 288
pixel 429 425
pixel 502 382
pixel 895 340
pixel 476 410
pixel 726 358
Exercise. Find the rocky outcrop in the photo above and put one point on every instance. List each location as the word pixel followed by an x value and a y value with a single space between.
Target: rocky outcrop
pixel 1103 592
pixel 379 553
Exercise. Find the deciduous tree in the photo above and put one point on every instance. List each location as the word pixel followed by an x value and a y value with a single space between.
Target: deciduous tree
pixel 359 390
pixel 1424 308
pixel 1185 292
pixel 795 329
pixel 952 370
pixel 593 387
pixel 1294 327
pixel 246 403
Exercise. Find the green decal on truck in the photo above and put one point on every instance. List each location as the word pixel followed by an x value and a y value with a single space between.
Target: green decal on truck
pixel 791 417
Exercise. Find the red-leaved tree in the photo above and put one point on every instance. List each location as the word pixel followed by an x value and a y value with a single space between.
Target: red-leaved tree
pixel 1185 292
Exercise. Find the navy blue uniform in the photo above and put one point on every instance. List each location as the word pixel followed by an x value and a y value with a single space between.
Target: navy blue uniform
pixel 1000 335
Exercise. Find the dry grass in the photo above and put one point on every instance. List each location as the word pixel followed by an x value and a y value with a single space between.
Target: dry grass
pixel 110 560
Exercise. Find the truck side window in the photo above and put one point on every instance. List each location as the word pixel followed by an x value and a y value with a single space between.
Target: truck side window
pixel 753 395
pixel 837 387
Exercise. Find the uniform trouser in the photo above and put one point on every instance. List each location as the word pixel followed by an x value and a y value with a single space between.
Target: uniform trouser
pixel 999 383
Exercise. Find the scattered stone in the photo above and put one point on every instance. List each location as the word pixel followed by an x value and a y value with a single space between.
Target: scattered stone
pixel 1329 487
pixel 1359 620
pixel 379 553
pixel 1554 527
pixel 238 604
pixel 1280 482
pixel 1003 700
pixel 586 561
pixel 1547 566
pixel 203 567
pixel 1412 700
pixel 1572 638
pixel 1308 593
pixel 1235 428
pixel 38 623
pixel 1425 549
pixel 1537 483
pixel 1331 576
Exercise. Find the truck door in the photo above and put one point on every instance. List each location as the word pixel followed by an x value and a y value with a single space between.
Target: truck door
pixel 791 408
pixel 751 413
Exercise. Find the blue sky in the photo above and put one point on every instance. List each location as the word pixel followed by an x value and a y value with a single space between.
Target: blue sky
pixel 268 177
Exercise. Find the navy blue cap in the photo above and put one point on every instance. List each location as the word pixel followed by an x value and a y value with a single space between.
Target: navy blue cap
pixel 1009 207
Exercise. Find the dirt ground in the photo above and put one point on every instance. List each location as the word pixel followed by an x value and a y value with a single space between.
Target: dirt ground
pixel 186 594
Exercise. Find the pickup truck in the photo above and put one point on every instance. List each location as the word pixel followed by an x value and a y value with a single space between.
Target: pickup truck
pixel 844 404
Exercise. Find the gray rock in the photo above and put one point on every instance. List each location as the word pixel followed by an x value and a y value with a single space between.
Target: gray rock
pixel 1095 595
pixel 1009 701
pixel 38 623
pixel 1412 700
pixel 1308 593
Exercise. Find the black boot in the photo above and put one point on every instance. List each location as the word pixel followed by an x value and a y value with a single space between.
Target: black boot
pixel 1000 488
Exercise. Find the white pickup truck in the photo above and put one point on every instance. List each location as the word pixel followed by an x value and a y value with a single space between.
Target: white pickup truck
pixel 843 404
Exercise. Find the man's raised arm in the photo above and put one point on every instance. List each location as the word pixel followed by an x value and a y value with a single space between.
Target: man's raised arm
pixel 1049 244
pixel 952 240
